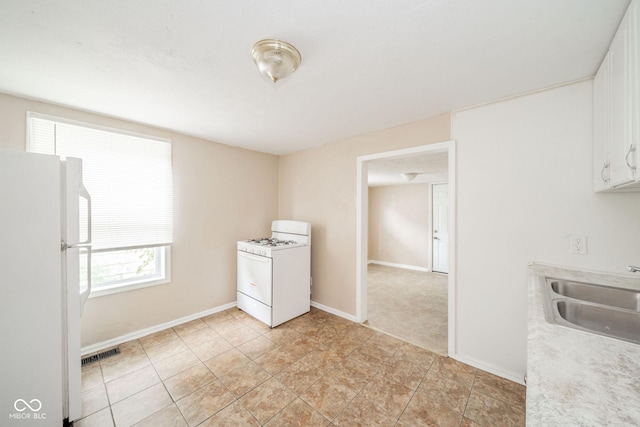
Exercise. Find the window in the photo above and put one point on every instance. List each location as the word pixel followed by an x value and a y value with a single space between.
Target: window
pixel 130 181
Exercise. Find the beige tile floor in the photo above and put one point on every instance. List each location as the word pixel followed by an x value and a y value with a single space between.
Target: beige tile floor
pixel 229 369
pixel 408 304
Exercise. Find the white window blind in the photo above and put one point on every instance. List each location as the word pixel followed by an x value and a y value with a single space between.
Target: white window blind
pixel 128 176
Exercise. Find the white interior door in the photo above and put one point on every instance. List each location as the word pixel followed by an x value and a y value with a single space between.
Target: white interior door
pixel 440 203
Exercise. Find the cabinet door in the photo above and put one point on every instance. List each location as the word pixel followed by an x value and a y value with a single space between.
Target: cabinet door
pixel 621 97
pixel 634 67
pixel 601 126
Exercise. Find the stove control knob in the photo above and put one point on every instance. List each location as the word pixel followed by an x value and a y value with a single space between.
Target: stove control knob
pixel 263 252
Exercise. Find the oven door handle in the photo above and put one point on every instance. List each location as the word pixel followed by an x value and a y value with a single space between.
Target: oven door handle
pixel 254 257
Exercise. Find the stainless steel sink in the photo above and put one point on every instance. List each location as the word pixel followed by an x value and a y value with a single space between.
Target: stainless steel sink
pixel 602 320
pixel 616 297
pixel 604 310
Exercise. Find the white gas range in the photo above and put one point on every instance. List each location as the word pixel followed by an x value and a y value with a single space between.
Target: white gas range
pixel 274 273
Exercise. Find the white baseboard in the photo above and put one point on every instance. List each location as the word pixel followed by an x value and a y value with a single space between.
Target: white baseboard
pixel 333 311
pixel 393 264
pixel 512 376
pixel 103 345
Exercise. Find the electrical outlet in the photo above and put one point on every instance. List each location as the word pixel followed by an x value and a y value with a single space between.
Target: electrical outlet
pixel 578 245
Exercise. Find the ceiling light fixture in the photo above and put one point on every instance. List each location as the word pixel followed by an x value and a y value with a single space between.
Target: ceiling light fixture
pixel 276 59
pixel 410 176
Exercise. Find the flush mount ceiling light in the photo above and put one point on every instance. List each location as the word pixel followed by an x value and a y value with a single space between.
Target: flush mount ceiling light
pixel 410 176
pixel 276 59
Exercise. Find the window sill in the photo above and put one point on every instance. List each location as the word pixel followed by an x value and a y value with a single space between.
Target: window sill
pixel 116 289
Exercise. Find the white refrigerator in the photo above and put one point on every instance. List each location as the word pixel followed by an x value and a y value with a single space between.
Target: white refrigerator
pixel 45 258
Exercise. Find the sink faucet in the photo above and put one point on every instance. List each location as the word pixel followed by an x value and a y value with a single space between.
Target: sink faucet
pixel 633 269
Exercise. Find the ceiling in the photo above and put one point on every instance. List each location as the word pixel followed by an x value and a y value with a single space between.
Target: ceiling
pixel 185 65
pixel 430 167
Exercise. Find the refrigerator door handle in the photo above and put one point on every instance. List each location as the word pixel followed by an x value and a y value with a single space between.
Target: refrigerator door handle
pixel 84 194
pixel 84 295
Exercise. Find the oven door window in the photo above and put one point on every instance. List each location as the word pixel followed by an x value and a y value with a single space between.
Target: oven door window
pixel 254 277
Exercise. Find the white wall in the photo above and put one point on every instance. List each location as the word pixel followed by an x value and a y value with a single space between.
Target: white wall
pixel 523 187
pixel 399 224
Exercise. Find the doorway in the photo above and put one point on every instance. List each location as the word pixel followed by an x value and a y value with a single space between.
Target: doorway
pixel 362 229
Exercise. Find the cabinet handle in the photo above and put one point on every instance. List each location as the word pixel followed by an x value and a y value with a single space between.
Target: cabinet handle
pixel 605 167
pixel 632 149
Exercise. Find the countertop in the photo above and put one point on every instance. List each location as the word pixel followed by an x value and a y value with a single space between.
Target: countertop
pixel 576 378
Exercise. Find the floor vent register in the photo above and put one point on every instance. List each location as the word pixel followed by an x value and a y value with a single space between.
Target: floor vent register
pixel 99 356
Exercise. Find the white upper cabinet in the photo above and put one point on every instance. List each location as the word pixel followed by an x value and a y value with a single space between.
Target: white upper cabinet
pixel 617 109
pixel 602 126
pixel 634 82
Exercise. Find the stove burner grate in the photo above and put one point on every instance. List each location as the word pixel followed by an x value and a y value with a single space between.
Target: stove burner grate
pixel 271 241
